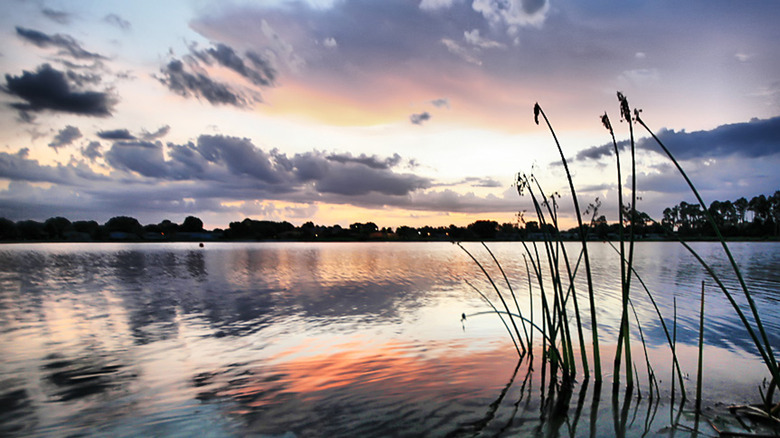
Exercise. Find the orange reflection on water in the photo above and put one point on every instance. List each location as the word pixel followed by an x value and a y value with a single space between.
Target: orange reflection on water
pixel 390 369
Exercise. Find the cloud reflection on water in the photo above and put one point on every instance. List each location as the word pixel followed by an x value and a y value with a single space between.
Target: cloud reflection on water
pixel 268 338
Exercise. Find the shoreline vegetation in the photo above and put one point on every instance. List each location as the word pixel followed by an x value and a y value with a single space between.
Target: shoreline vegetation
pixel 683 221
pixel 561 290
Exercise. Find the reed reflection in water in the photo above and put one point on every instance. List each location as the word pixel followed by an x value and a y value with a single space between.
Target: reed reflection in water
pixel 320 340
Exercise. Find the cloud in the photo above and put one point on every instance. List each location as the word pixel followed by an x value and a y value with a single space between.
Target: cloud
pixel 18 167
pixel 441 103
pixel 640 77
pixel 512 13
pixel 486 182
pixel 418 119
pixel 187 84
pixel 81 79
pixel 754 139
pixel 475 39
pixel 456 49
pixel 48 89
pixel 65 137
pixel 217 171
pixel 431 5
pixel 373 161
pixel 330 43
pixel 352 180
pixel 483 182
pixel 242 158
pixel 193 79
pixel 56 16
pixel 145 158
pixel 92 151
pixel 162 132
pixel 597 152
pixel 227 57
pixel 68 45
pixel 116 134
pixel 116 20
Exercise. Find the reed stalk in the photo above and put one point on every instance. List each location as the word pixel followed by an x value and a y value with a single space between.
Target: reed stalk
pixel 497 312
pixel 701 351
pixel 591 295
pixel 500 296
pixel 511 291
pixel 661 319
pixel 766 349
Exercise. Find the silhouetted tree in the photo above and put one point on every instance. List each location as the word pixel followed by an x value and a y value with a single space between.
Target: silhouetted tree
pixel 90 228
pixel 8 230
pixel 484 229
pixel 191 224
pixel 56 227
pixel 30 230
pixel 124 224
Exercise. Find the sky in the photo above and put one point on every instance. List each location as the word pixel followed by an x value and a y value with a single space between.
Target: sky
pixel 398 112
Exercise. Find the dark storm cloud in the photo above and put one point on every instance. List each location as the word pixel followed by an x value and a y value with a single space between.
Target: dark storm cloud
pixel 597 152
pixel 418 119
pixel 754 139
pixel 359 180
pixel 149 176
pixel 66 43
pixel 116 20
pixel 241 157
pixel 373 161
pixel 65 137
pixel 56 16
pixel 145 158
pixel 116 134
pixel 190 78
pixel 48 89
pixel 144 180
pixel 239 164
pixel 92 151
pixel 198 84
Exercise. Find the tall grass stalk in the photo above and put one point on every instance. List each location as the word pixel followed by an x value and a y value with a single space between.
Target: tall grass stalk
pixel 559 246
pixel 511 291
pixel 497 312
pixel 701 351
pixel 591 295
pixel 650 372
pixel 500 296
pixel 661 319
pixel 531 308
pixel 767 355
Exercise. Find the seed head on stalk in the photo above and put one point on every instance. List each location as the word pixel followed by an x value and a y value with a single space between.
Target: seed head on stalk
pixel 605 122
pixel 537 110
pixel 625 111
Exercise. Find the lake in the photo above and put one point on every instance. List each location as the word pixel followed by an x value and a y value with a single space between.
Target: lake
pixel 343 339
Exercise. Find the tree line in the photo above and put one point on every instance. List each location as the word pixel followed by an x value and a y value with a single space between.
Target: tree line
pixel 757 218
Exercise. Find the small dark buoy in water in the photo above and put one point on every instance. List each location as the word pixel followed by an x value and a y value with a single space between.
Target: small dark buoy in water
pixel 200 244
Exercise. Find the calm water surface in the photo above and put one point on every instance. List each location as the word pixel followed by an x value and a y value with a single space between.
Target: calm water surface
pixel 337 339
